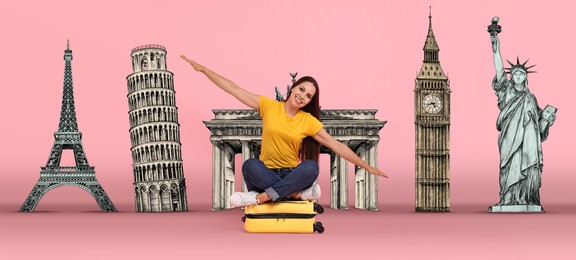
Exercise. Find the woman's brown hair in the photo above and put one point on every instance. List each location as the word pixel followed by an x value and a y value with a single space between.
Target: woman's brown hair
pixel 309 149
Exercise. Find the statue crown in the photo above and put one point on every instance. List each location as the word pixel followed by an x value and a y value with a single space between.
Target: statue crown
pixel 516 67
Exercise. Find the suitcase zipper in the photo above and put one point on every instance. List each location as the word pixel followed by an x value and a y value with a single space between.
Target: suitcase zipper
pixel 280 216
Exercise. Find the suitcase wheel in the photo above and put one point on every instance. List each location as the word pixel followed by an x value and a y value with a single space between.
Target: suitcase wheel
pixel 318 227
pixel 318 208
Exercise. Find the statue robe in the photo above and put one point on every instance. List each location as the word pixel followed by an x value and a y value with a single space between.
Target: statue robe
pixel 520 145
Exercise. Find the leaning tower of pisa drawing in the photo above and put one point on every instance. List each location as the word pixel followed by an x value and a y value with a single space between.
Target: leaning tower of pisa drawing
pixel 159 183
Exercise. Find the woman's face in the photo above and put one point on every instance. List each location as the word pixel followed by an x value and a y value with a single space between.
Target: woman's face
pixel 519 77
pixel 302 94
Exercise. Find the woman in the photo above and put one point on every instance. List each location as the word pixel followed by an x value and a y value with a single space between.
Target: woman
pixel 523 127
pixel 291 138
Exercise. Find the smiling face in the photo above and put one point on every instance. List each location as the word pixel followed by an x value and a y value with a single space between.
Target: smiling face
pixel 302 94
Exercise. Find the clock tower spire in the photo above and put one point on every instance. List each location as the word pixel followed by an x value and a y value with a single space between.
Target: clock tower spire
pixel 431 68
pixel 430 46
pixel 432 121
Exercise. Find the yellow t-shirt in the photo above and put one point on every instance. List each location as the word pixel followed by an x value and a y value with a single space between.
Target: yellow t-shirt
pixel 282 135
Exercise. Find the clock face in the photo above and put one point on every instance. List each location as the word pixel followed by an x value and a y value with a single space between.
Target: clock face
pixel 432 103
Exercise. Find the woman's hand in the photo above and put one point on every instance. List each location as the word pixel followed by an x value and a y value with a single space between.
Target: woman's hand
pixel 345 152
pixel 249 99
pixel 377 172
pixel 194 64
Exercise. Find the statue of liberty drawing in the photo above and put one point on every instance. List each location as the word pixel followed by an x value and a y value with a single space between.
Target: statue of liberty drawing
pixel 523 126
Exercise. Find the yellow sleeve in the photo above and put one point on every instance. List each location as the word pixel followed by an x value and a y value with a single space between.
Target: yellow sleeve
pixel 265 102
pixel 315 126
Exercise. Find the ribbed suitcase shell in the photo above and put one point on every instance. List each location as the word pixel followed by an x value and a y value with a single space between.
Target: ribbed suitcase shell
pixel 283 217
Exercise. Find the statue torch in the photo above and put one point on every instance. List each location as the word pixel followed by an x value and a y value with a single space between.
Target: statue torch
pixel 494 29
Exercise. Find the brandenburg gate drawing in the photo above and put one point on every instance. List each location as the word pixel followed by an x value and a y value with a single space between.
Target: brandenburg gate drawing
pixel 240 131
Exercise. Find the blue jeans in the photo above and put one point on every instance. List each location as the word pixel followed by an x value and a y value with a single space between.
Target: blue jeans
pixel 279 183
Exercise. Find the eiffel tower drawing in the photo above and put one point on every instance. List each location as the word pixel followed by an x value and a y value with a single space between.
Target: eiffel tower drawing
pixel 67 137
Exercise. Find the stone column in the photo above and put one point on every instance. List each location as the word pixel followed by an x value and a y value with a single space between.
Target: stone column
pixel 338 182
pixel 246 154
pixel 138 199
pixel 148 199
pixel 170 201
pixel 334 181
pixel 372 180
pixel 160 199
pixel 360 180
pixel 218 201
pixel 228 161
pixel 366 183
pixel 182 196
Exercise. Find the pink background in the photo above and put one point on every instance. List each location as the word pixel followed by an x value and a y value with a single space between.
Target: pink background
pixel 365 54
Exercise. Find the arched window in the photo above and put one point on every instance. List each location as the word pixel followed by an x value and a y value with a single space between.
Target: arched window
pixel 154 199
pixel 165 197
pixel 144 64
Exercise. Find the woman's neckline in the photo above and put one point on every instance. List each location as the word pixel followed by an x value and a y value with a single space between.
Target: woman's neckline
pixel 286 111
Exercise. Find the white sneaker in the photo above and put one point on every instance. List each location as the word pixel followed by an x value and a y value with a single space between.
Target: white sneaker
pixel 312 193
pixel 241 199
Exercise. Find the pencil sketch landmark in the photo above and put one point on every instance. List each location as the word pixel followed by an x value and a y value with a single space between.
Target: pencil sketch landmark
pixel 432 120
pixel 67 137
pixel 523 126
pixel 159 183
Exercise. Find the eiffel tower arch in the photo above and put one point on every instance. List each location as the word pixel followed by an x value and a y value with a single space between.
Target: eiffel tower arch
pixel 43 186
pixel 67 138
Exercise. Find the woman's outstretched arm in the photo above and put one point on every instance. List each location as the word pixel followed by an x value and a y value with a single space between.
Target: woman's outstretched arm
pixel 345 152
pixel 249 99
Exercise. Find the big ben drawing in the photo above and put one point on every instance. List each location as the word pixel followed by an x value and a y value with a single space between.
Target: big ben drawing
pixel 432 121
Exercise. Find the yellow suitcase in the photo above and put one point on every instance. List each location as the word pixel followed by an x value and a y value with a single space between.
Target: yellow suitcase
pixel 283 217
